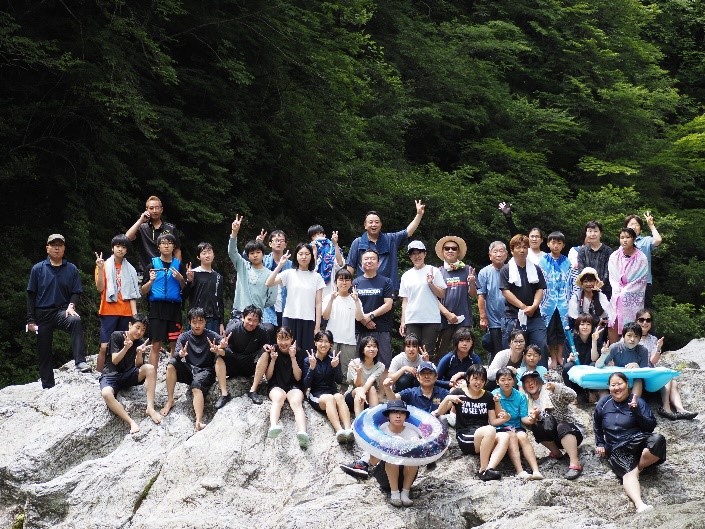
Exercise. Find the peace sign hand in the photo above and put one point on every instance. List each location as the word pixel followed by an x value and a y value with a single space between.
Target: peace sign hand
pixel 284 258
pixel 143 348
pixel 336 359
pixel 235 226
pixel 424 353
pixel 189 273
pixel 262 235
pixel 311 359
pixel 354 294
pixel 99 262
pixel 127 343
pixel 214 346
pixel 292 349
pixel 184 352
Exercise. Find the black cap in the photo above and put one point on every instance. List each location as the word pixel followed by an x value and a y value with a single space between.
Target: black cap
pixel 532 373
pixel 395 405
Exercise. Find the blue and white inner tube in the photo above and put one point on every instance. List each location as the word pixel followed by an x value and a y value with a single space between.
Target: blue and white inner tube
pixel 433 442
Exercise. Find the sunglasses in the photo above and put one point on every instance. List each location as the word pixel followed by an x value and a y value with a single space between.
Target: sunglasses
pixel 450 248
pixel 644 320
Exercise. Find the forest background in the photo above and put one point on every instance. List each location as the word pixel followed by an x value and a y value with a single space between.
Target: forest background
pixel 297 112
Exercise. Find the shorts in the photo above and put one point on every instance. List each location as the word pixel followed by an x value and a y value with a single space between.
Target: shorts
pixel 555 335
pixel 239 365
pixel 119 381
pixel 110 324
pixel 466 441
pixel 313 401
pixel 196 377
pixel 350 401
pixel 384 352
pixel 164 330
pixel 550 430
pixel 625 458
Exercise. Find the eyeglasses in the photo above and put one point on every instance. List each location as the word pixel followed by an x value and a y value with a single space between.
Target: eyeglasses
pixel 450 248
pixel 644 320
pixel 166 243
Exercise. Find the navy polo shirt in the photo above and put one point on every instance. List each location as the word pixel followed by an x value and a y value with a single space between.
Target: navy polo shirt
pixel 415 397
pixel 54 286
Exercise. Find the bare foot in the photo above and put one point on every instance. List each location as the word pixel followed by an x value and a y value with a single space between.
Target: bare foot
pixel 167 408
pixel 156 418
pixel 134 427
pixel 200 426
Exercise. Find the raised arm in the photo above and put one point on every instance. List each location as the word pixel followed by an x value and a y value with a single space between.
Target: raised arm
pixel 414 224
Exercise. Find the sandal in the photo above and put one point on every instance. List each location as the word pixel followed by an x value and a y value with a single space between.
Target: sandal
pixel 573 471
pixel 559 455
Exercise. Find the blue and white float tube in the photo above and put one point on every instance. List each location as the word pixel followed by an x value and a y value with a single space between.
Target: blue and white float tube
pixel 434 439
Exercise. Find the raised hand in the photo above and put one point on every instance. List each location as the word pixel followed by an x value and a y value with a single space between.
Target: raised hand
pixel 189 273
pixel 649 218
pixel 262 235
pixel 354 294
pixel 284 258
pixel 184 352
pixel 335 360
pixel 424 353
pixel 334 238
pixel 634 402
pixel 235 226
pixel 128 342
pixel 292 350
pixel 429 277
pixel 420 207
pixel 99 262
pixel 505 208
pixel 213 345
pixel 175 273
pixel 311 359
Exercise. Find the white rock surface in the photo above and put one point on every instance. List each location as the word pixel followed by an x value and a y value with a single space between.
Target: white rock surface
pixel 66 462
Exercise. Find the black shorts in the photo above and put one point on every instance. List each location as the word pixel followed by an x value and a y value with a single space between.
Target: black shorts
pixel 164 330
pixel 239 365
pixel 313 401
pixel 625 458
pixel 123 380
pixel 550 430
pixel 350 401
pixel 466 441
pixel 196 377
pixel 555 335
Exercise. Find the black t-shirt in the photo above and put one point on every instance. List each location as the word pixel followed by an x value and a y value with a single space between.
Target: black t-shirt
pixel 525 293
pixel 117 342
pixel 283 375
pixel 372 293
pixel 472 414
pixel 247 343
pixel 199 349
pixel 148 236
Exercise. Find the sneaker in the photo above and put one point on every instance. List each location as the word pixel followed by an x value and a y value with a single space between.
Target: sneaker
pixel 489 474
pixel 255 397
pixel 303 439
pixel 358 469
pixel 524 475
pixel 83 367
pixel 350 436
pixel 341 436
pixel 222 401
pixel 274 431
pixel 536 476
pixel 573 472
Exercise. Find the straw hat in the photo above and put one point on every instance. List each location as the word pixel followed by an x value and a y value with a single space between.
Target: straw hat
pixel 462 247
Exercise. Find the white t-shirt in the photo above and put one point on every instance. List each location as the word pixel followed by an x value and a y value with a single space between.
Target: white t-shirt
pixel 342 319
pixel 401 360
pixel 409 433
pixel 301 286
pixel 422 303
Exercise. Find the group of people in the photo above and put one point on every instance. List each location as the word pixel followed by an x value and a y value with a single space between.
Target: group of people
pixel 304 320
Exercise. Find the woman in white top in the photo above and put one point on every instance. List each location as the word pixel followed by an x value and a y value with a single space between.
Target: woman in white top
pixel 302 313
pixel 421 290
pixel 342 308
pixel 364 375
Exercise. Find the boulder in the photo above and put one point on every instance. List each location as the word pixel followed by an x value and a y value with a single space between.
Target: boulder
pixel 67 462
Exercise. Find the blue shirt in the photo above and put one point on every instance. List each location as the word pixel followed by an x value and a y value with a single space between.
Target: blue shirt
pixel 646 244
pixel 516 405
pixel 387 246
pixel 616 424
pixel 488 287
pixel 415 397
pixel 269 314
pixel 53 286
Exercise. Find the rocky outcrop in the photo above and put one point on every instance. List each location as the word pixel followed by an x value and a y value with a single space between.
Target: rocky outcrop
pixel 66 462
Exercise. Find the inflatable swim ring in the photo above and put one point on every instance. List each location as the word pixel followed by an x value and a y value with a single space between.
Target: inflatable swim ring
pixel 433 443
pixel 591 377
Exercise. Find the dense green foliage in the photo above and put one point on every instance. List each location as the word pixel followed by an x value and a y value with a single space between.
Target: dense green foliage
pixel 298 111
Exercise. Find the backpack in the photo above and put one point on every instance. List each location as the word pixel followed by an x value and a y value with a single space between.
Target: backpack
pixel 325 258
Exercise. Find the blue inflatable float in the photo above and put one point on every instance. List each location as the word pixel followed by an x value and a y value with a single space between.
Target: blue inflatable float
pixel 591 377
pixel 433 443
